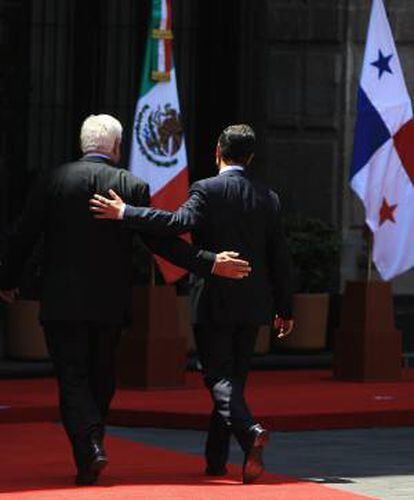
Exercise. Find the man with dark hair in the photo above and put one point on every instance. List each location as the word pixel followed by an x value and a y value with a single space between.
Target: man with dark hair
pixel 237 144
pixel 230 210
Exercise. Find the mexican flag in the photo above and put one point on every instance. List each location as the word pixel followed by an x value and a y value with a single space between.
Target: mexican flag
pixel 158 154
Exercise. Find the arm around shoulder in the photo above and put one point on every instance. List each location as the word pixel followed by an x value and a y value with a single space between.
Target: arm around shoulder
pixel 164 223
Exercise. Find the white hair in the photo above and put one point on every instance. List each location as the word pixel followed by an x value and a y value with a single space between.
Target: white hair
pixel 99 133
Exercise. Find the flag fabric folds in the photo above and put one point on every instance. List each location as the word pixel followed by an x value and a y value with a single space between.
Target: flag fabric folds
pixel 158 153
pixel 382 169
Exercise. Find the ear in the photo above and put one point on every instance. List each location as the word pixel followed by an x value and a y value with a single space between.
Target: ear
pixel 117 150
pixel 218 155
pixel 249 160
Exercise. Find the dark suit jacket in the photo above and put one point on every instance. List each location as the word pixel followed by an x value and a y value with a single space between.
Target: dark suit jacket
pixel 88 271
pixel 231 212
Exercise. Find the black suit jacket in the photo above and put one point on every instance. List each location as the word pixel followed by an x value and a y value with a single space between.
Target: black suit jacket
pixel 231 212
pixel 88 273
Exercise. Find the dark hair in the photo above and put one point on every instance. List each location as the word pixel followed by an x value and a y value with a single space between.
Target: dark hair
pixel 237 143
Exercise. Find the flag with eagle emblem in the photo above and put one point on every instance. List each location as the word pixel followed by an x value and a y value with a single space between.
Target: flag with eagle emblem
pixel 158 153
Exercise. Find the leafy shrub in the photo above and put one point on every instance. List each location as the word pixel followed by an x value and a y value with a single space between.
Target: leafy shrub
pixel 314 246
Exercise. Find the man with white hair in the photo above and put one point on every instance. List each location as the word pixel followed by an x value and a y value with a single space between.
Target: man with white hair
pixel 87 279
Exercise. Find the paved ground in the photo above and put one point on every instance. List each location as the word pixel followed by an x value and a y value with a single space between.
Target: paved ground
pixel 374 462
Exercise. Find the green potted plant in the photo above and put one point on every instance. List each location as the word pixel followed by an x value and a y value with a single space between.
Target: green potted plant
pixel 314 246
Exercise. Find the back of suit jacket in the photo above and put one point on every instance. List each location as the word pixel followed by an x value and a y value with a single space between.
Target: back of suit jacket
pixel 243 215
pixel 231 211
pixel 87 262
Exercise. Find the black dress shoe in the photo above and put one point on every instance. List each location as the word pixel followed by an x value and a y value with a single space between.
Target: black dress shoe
pixel 86 478
pixel 99 460
pixel 253 462
pixel 96 462
pixel 215 471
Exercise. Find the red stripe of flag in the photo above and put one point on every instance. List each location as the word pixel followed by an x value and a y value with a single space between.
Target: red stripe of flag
pixel 404 144
pixel 170 197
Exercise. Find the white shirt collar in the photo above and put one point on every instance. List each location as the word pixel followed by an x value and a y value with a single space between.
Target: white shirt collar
pixel 99 155
pixel 229 168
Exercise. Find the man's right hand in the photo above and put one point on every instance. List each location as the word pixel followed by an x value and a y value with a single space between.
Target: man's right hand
pixel 283 326
pixel 107 208
pixel 227 265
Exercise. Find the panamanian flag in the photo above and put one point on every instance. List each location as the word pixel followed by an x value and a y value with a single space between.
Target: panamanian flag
pixel 158 153
pixel 382 170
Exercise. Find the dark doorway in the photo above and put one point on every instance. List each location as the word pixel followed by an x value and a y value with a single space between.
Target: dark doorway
pixel 216 78
pixel 14 91
pixel 109 44
pixel 86 58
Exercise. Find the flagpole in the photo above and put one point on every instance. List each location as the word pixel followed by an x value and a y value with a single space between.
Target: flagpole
pixel 370 241
pixel 158 110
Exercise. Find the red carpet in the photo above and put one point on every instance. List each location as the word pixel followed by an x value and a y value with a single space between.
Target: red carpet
pixel 135 472
pixel 282 400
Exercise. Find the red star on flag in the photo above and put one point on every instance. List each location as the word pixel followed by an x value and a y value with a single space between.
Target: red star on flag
pixel 386 212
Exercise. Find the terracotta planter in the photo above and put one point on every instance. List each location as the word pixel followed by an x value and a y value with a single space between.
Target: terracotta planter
pixel 25 337
pixel 310 312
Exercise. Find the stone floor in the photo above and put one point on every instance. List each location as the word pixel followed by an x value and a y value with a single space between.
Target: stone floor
pixel 374 462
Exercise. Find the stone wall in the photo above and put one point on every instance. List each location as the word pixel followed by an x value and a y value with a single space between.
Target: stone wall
pixel 299 63
pixel 301 69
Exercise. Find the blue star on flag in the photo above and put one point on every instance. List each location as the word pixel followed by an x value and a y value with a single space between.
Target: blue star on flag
pixel 382 63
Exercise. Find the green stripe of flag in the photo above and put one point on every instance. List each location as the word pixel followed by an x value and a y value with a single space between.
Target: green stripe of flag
pixel 151 51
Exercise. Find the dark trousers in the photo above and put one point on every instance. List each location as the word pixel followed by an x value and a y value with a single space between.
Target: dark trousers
pixel 83 355
pixel 225 354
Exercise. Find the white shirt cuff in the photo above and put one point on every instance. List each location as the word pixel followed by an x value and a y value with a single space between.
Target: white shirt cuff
pixel 121 212
pixel 213 269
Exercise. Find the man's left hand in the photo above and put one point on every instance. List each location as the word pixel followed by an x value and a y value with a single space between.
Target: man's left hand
pixel 8 296
pixel 105 208
pixel 227 265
